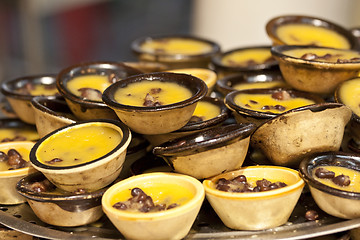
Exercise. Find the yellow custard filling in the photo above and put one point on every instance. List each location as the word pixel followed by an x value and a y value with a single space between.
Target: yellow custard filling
pixel 256 85
pixel 206 110
pixel 353 174
pixel 43 90
pixel 176 46
pixel 98 82
pixel 161 193
pixel 18 134
pixel 23 151
pixel 157 92
pixel 266 103
pixel 247 57
pixel 324 55
pixel 349 94
pixel 78 145
pixel 304 34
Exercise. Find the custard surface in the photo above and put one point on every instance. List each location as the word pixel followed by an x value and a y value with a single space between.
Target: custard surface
pixel 349 94
pixel 11 134
pixel 24 152
pixel 98 82
pixel 256 85
pixel 248 57
pixel 206 110
pixel 336 54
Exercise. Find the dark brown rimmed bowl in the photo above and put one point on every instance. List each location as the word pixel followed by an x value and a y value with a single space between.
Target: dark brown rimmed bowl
pixel 51 113
pixel 242 114
pixel 336 202
pixel 208 153
pixel 193 127
pixel 286 139
pixel 86 109
pixel 158 119
pixel 228 84
pixel 20 101
pixel 274 23
pixel 314 76
pixel 67 209
pixel 223 69
pixel 179 60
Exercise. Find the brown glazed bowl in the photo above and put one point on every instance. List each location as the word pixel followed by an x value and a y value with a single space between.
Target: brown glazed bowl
pixel 51 113
pixel 208 153
pixel 60 208
pixel 251 79
pixel 84 108
pixel 319 77
pixel 195 126
pixel 175 51
pixel 334 201
pixel 19 92
pixel 243 114
pixel 238 60
pixel 295 134
pixel 349 41
pixel 157 119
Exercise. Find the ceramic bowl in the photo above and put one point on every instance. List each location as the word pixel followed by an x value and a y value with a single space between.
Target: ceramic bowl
pixel 289 137
pixel 238 60
pixel 309 30
pixel 238 102
pixel 172 223
pixel 14 129
pixel 256 210
pixel 60 208
pixel 103 145
pixel 20 91
pixel 338 202
pixel 320 76
pixel 175 51
pixel 207 75
pixel 249 80
pixel 212 110
pixel 9 178
pixel 161 118
pixel 101 75
pixel 208 153
pixel 51 113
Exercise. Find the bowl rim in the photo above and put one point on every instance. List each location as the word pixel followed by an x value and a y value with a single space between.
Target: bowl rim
pixel 62 79
pixel 215 136
pixel 136 46
pixel 229 101
pixel 48 197
pixel 216 60
pixel 210 74
pixel 20 171
pixel 199 91
pixel 273 23
pixel 125 141
pixel 254 195
pixel 278 52
pixel 199 196
pixel 338 158
pixel 8 88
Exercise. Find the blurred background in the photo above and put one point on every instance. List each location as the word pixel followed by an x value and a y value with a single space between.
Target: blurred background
pixel 41 36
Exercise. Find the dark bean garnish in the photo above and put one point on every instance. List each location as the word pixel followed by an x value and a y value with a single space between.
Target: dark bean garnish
pixel 281 95
pixel 15 159
pixel 324 173
pixel 155 90
pixel 263 184
pixel 342 180
pixel 54 160
pixel 266 107
pixel 253 101
pixel 279 107
pixel 196 119
pixel 240 178
pixel 240 184
pixel 151 101
pixel 3 156
pixel 311 215
pixel 136 192
pixel 309 56
pixel 120 205
pixel 173 205
pixel 90 93
pixel 42 186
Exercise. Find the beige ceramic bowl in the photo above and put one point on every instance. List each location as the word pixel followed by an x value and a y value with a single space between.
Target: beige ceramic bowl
pixel 20 91
pixel 85 108
pixel 256 210
pixel 207 75
pixel 336 202
pixel 320 77
pixel 208 153
pixel 91 175
pixel 174 223
pixel 157 119
pixel 289 137
pixel 51 113
pixel 9 178
pixel 61 208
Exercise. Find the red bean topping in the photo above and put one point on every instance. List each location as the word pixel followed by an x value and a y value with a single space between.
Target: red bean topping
pixel 90 93
pixel 253 101
pixel 311 215
pixel 324 173
pixel 281 95
pixel 279 108
pixel 155 90
pixel 54 160
pixel 3 156
pixel 42 186
pixel 151 101
pixel 342 180
pixel 16 138
pixel 266 107
pixel 15 159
